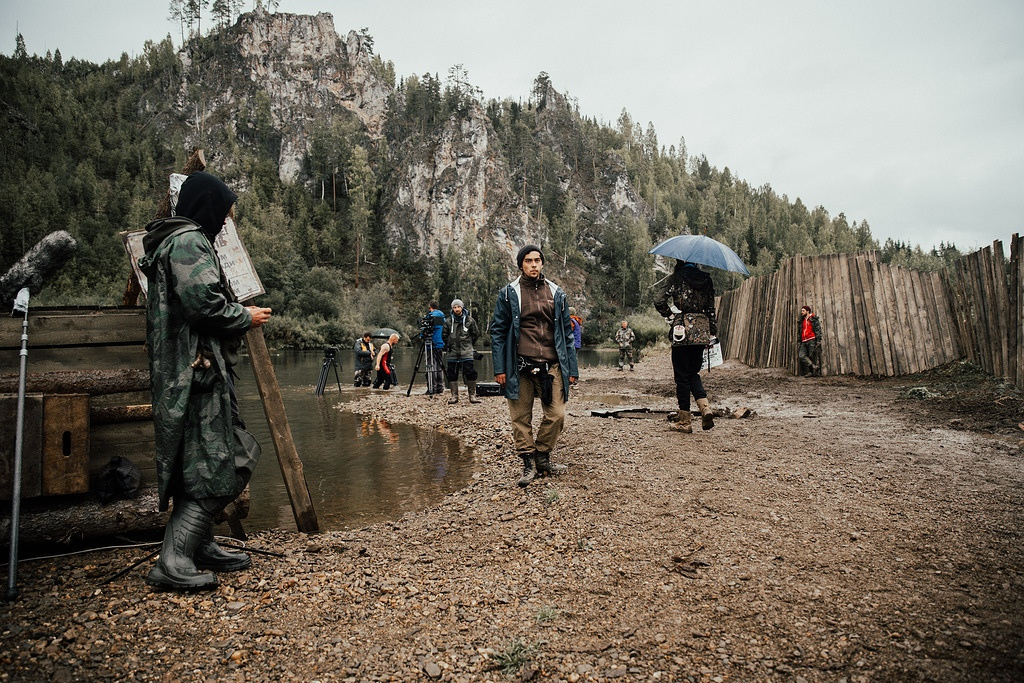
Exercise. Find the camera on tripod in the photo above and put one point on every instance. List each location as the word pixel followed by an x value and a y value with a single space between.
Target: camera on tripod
pixel 426 325
pixel 330 354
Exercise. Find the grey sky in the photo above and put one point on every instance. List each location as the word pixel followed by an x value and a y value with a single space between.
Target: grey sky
pixel 909 114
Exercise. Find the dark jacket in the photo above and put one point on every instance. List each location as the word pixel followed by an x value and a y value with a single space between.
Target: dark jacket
pixel 364 353
pixel 505 337
pixel 460 335
pixel 688 290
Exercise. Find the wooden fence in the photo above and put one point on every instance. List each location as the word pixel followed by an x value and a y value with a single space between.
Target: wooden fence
pixel 879 319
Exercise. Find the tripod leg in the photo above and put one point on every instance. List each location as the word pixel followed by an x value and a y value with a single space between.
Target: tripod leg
pixel 337 377
pixel 415 369
pixel 321 381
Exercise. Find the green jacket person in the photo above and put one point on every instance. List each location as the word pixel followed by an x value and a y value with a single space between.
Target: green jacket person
pixel 204 456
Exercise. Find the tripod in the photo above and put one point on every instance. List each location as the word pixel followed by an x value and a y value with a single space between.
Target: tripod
pixel 330 352
pixel 432 371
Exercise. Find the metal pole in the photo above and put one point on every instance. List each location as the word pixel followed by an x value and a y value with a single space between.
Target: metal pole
pixel 20 304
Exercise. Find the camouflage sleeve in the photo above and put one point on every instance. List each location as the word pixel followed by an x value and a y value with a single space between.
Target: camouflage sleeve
pixel 195 273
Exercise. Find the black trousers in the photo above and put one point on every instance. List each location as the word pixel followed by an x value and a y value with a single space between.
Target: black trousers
pixel 686 362
pixel 468 370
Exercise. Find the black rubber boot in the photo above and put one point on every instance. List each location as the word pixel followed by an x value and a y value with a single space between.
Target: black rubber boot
pixel 529 472
pixel 209 555
pixel 175 568
pixel 545 466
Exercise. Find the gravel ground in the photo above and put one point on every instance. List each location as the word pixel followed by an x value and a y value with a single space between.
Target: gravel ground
pixel 846 530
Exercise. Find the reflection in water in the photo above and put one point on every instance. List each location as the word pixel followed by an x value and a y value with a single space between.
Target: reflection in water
pixel 359 470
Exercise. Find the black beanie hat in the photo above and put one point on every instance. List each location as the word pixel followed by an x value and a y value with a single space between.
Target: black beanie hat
pixel 207 200
pixel 526 250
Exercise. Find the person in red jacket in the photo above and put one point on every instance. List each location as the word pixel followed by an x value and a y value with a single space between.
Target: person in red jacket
pixel 809 353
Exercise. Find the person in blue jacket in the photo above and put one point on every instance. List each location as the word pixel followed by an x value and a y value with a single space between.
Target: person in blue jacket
pixel 534 357
pixel 435 365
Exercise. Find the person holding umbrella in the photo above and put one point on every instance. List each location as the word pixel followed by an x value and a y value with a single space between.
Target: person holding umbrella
pixel 687 301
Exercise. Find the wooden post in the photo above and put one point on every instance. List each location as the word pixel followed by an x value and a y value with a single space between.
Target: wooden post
pixel 277 421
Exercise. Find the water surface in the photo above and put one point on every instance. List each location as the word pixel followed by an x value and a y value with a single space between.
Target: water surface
pixel 359 471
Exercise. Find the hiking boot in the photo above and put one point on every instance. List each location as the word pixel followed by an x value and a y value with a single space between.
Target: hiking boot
pixel 529 472
pixel 683 422
pixel 707 418
pixel 545 466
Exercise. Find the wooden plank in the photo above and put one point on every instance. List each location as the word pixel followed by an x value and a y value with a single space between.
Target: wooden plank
pixel 924 322
pixel 783 292
pixel 135 441
pixel 65 444
pixel 979 305
pixel 90 382
pixel 878 277
pixel 77 357
pixel 872 330
pixel 1001 303
pixel 945 291
pixel 965 317
pixel 897 322
pixel 112 414
pixel 803 269
pixel 943 324
pixel 77 327
pixel 851 357
pixel 1016 307
pixel 31 445
pixel 920 359
pixel 825 314
pixel 903 349
pixel 277 421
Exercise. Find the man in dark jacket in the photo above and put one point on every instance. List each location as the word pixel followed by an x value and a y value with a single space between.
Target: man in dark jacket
pixel 809 352
pixel 204 456
pixel 460 335
pixel 533 354
pixel 364 352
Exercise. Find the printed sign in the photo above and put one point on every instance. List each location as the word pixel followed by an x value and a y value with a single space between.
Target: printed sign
pixel 234 260
pixel 712 356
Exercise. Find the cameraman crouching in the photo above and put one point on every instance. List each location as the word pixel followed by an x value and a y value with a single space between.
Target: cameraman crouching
pixel 460 335
pixel 435 370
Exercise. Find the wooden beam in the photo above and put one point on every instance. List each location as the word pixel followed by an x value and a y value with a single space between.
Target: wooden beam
pixel 277 421
pixel 90 382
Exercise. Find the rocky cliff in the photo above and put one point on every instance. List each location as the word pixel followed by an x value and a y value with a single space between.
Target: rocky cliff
pixel 306 71
pixel 453 186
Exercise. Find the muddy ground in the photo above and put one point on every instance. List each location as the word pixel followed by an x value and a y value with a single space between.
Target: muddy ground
pixel 847 530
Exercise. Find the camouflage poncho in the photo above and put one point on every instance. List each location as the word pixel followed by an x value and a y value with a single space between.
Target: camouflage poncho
pixel 190 310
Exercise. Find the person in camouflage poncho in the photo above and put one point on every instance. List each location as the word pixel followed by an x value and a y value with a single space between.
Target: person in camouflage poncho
pixel 194 327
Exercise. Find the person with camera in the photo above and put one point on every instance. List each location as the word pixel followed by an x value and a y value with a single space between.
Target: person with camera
pixel 364 352
pixel 460 335
pixel 534 357
pixel 384 365
pixel 435 330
